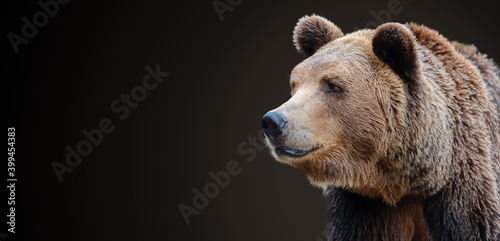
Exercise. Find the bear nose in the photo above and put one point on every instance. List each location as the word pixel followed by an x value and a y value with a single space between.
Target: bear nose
pixel 274 124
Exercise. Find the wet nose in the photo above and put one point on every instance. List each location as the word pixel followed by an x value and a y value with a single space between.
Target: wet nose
pixel 274 124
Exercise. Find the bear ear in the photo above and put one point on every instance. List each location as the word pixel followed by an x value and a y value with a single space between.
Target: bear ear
pixel 312 32
pixel 394 44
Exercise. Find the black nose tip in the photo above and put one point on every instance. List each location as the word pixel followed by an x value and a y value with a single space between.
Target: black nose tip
pixel 274 124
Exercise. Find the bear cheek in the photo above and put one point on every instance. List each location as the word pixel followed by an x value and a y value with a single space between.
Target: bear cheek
pixel 345 158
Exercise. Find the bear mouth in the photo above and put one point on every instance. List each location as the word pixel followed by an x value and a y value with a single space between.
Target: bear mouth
pixel 285 151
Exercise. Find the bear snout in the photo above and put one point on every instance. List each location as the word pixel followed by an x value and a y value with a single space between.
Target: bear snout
pixel 274 124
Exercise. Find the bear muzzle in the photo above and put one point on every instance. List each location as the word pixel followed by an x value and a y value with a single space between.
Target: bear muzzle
pixel 275 124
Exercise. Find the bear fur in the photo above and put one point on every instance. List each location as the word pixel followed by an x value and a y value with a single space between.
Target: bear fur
pixel 399 126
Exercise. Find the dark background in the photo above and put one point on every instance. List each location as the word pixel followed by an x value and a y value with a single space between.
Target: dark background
pixel 224 75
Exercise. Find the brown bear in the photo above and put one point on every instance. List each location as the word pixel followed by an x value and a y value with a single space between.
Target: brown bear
pixel 399 126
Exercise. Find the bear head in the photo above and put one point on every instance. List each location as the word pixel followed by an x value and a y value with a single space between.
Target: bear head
pixel 355 118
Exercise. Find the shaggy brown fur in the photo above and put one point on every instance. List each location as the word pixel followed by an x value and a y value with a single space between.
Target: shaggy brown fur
pixel 313 32
pixel 400 127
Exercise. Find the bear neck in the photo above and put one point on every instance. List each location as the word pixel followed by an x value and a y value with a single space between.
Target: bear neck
pixel 356 217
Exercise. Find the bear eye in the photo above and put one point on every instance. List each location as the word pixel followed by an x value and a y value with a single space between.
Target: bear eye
pixel 332 88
